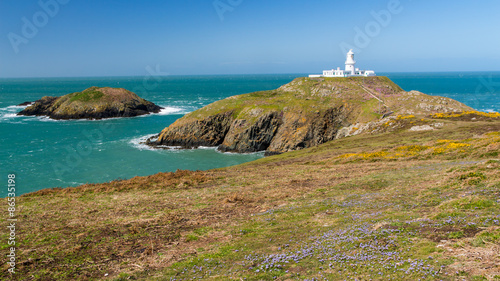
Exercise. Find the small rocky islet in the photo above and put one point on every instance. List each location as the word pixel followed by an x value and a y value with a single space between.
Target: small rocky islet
pixel 303 113
pixel 91 103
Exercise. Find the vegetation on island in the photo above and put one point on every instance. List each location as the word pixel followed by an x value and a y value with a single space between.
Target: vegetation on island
pixel 90 94
pixel 399 205
pixel 92 103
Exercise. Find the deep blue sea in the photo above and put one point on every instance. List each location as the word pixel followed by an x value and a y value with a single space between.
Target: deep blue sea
pixel 44 153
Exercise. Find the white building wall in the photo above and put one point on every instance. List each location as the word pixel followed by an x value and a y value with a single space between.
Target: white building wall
pixel 350 69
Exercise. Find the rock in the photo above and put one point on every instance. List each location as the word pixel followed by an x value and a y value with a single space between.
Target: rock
pixel 92 103
pixel 421 128
pixel 26 103
pixel 303 113
pixel 257 137
pixel 207 132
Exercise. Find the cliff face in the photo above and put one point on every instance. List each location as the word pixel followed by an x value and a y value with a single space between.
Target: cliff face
pixel 303 113
pixel 206 132
pixel 92 103
pixel 274 132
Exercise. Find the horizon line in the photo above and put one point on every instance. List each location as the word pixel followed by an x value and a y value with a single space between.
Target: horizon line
pixel 235 74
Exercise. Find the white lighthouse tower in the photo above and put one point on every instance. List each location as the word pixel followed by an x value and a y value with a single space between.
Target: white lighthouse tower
pixel 350 69
pixel 349 63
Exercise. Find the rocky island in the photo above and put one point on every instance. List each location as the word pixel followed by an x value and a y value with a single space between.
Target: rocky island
pixel 92 103
pixel 304 113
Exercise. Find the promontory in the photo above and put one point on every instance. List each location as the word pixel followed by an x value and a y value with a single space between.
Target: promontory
pixel 92 103
pixel 303 113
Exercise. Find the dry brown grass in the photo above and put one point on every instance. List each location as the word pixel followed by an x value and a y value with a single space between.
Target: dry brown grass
pixel 146 224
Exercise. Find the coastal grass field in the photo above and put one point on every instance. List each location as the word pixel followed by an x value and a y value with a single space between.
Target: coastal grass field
pixel 399 205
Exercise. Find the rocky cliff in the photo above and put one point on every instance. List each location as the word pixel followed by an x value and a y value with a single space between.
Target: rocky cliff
pixel 92 103
pixel 303 113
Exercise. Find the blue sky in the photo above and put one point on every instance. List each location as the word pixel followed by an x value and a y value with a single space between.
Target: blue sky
pixel 119 38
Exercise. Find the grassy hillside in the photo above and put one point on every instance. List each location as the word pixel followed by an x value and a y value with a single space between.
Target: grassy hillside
pixel 308 95
pixel 303 113
pixel 393 206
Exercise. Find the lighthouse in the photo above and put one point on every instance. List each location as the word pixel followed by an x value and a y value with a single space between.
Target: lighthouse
pixel 349 63
pixel 350 69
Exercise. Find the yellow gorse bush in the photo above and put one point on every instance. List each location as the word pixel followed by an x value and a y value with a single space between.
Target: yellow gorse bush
pixel 443 141
pixel 409 151
pixel 378 154
pixel 460 114
pixel 412 148
pixel 476 145
pixel 348 155
pixel 450 145
pixel 402 117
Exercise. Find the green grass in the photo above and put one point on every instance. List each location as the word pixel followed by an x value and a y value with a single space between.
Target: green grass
pixel 90 94
pixel 301 100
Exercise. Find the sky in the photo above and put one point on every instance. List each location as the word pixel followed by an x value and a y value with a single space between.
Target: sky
pixel 73 38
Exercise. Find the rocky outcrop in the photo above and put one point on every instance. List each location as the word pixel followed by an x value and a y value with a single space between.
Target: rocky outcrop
pixel 26 103
pixel 273 132
pixel 257 137
pixel 92 103
pixel 206 132
pixel 304 113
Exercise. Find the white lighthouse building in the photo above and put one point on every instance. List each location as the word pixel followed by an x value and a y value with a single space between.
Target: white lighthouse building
pixel 350 69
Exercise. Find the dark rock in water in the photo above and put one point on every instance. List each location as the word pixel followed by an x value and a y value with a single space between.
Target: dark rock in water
pixel 92 103
pixel 26 103
pixel 304 113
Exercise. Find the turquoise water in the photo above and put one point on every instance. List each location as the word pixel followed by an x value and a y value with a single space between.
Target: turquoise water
pixel 44 153
pixel 479 90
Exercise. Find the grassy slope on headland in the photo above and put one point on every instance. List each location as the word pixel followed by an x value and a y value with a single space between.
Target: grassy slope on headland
pixel 401 206
pixel 309 95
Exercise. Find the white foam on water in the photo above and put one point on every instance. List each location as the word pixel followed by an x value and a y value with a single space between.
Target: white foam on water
pixel 173 110
pixel 168 110
pixel 239 153
pixel 139 142
pixel 207 147
pixel 9 115
pixel 48 119
pixel 10 112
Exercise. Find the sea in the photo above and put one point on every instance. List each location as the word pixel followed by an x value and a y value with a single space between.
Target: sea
pixel 45 153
